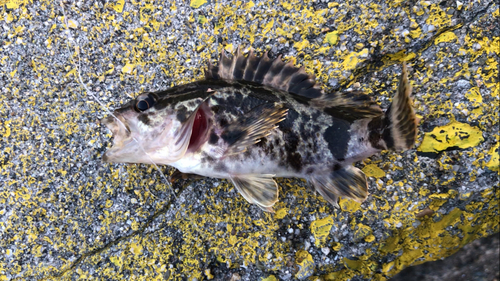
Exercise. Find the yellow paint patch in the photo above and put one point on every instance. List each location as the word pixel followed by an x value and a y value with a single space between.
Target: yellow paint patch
pixel 351 60
pixel 109 203
pixel 348 205
pixel 306 263
pixel 361 232
pixel 229 48
pixel 455 134
pixel 474 96
pixel 249 5
pixel 270 278
pixel 197 3
pixel 493 164
pixel 388 267
pixel 208 274
pixel 118 6
pixel 128 68
pixel 72 24
pixel 352 264
pixel 281 213
pixel 136 248
pixel 320 229
pixel 118 261
pixel 332 38
pixel 373 170
pixel 14 4
pixel 402 56
pixel 445 37
pixel 370 238
pixel 302 45
pixel 268 26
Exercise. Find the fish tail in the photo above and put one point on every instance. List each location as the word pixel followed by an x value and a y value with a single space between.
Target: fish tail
pixel 399 125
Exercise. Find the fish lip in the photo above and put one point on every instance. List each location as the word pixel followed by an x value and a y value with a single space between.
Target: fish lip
pixel 117 152
pixel 113 126
pixel 121 137
pixel 106 121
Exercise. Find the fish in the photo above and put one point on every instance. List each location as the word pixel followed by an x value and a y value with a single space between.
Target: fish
pixel 253 118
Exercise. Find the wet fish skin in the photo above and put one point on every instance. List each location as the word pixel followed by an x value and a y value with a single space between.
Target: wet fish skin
pixel 254 118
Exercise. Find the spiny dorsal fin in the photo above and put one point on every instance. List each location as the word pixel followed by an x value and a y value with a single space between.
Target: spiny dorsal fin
pixel 274 73
pixel 277 74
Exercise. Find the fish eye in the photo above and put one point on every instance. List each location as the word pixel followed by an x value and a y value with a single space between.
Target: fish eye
pixel 144 102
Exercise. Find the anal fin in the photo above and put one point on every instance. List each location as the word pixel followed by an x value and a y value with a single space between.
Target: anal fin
pixel 260 190
pixel 253 126
pixel 347 182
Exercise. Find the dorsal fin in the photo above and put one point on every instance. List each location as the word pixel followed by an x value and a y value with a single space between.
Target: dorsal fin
pixel 349 106
pixel 274 73
pixel 283 76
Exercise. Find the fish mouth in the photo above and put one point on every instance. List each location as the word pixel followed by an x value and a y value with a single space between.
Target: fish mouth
pixel 122 140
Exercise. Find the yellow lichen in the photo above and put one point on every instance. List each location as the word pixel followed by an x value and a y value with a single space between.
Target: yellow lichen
pixel 197 3
pixel 306 263
pixel 373 170
pixel 332 38
pixel 321 229
pixel 455 134
pixel 445 37
pixel 493 164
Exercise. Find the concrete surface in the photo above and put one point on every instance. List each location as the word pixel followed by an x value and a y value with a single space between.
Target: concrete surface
pixel 66 215
pixel 478 261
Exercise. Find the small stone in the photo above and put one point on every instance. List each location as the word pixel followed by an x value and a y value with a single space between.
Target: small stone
pixel 307 245
pixel 325 250
pixel 462 84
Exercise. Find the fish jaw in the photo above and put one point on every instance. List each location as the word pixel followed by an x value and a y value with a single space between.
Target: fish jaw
pixel 134 141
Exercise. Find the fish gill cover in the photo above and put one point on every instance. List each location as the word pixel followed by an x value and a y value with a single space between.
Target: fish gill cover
pixel 64 214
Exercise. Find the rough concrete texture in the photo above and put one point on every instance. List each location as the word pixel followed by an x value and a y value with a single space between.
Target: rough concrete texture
pixel 66 215
pixel 478 261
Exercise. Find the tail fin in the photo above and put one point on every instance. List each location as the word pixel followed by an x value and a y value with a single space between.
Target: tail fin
pixel 400 122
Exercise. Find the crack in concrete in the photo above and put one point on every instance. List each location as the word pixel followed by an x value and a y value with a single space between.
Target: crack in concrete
pixel 379 62
pixel 108 245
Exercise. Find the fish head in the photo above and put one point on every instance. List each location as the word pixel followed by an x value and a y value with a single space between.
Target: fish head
pixel 144 132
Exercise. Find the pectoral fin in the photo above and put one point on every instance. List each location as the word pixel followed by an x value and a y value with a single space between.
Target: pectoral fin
pixel 253 126
pixel 261 190
pixel 346 182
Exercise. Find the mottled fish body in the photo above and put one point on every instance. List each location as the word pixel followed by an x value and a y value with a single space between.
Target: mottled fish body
pixel 254 118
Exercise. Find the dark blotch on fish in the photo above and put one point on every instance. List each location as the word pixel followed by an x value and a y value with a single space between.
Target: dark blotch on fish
pixel 232 135
pixel 144 118
pixel 213 138
pixel 338 138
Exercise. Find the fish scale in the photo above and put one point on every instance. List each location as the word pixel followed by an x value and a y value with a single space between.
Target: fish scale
pixel 254 118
